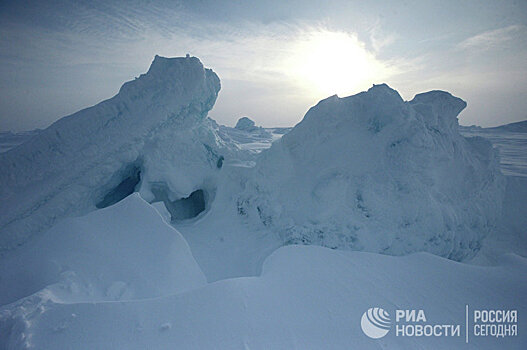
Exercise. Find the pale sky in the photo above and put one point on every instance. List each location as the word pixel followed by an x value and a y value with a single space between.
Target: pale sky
pixel 275 59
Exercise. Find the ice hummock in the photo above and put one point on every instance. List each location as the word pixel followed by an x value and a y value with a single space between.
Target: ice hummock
pixel 366 172
pixel 373 172
pixel 246 124
pixel 153 134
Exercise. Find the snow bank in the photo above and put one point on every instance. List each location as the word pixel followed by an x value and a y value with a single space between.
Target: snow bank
pixel 152 137
pixel 306 298
pixel 122 252
pixel 511 233
pixel 373 172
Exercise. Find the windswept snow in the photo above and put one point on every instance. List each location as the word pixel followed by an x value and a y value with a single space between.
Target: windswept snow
pixel 306 298
pixel 510 141
pixel 373 172
pixel 156 124
pixel 122 252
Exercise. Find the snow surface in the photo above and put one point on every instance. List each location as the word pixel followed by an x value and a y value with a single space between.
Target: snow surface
pixel 122 252
pixel 10 139
pixel 511 144
pixel 512 127
pixel 306 298
pixel 104 245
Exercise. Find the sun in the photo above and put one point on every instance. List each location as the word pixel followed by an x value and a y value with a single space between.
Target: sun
pixel 331 63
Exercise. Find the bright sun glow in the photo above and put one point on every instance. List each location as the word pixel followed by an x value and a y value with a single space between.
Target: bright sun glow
pixel 335 63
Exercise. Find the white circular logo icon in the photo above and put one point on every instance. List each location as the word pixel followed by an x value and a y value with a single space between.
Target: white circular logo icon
pixel 375 322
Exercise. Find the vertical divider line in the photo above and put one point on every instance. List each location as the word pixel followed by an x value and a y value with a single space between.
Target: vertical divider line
pixel 466 323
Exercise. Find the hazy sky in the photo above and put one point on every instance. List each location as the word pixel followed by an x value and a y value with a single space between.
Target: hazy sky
pixel 275 58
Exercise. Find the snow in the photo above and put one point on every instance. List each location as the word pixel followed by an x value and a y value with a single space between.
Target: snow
pixel 248 138
pixel 223 243
pixel 122 252
pixel 512 127
pixel 141 223
pixel 510 235
pixel 375 173
pixel 306 298
pixel 511 145
pixel 156 123
pixel 10 139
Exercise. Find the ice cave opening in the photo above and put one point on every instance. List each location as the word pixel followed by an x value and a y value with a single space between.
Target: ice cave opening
pixel 131 177
pixel 182 208
pixel 187 208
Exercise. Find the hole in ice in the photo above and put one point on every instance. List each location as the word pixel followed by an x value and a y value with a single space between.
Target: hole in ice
pixel 187 208
pixel 219 163
pixel 130 177
pixel 183 208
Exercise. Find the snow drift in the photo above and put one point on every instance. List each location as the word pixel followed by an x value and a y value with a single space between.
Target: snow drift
pixel 152 137
pixel 306 298
pixel 373 172
pixel 122 252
